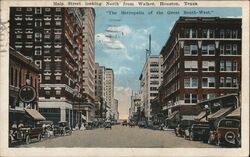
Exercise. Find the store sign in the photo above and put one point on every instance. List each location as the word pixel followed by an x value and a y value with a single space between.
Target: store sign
pixel 27 94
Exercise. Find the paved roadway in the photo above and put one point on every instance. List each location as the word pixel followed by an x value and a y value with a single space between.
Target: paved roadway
pixel 120 136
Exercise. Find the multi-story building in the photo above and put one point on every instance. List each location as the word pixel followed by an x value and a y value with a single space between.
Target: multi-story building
pixel 201 60
pixel 135 106
pixel 53 38
pixel 150 80
pixel 109 87
pixel 100 93
pixel 114 109
pixel 22 72
pixel 88 62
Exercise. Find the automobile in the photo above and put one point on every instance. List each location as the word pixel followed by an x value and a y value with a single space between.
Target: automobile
pixel 107 124
pixel 47 128
pixel 26 133
pixel 142 124
pixel 198 131
pixel 62 129
pixel 131 124
pixel 124 123
pixel 184 124
pixel 228 132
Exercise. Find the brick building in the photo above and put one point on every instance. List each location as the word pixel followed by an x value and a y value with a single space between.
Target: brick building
pixel 201 60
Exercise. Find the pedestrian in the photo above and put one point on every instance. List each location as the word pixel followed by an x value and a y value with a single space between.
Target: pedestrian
pixel 20 125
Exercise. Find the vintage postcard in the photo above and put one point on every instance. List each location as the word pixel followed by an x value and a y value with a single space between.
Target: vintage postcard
pixel 124 78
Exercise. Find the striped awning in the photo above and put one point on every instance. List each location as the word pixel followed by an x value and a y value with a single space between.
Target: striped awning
pixel 220 113
pixel 34 114
pixel 200 116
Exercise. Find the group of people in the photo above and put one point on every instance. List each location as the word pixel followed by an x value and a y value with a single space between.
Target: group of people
pixel 16 126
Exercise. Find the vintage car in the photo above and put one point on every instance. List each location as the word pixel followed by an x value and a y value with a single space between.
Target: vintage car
pixel 227 132
pixel 62 129
pixel 26 133
pixel 184 124
pixel 124 123
pixel 198 131
pixel 107 124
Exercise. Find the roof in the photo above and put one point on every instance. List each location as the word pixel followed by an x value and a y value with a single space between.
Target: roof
pixel 34 114
pixel 235 113
pixel 220 113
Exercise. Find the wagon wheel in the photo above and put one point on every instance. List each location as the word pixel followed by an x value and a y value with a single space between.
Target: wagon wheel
pixel 27 139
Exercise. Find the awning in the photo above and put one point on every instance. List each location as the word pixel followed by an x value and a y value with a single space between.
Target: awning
pixel 220 113
pixel 35 114
pixel 200 116
pixel 173 114
pixel 235 113
pixel 83 117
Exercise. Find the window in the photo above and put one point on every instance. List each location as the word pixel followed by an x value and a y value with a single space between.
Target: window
pixel 154 82
pixel 38 23
pixel 47 66
pixel 47 94
pixel 18 9
pixel 235 82
pixel 194 33
pixel 18 36
pixel 190 50
pixel 222 82
pixel 186 33
pixel 204 33
pixel 154 70
pixel 228 65
pixel 153 89
pixel 222 33
pixel 58 66
pixel 58 23
pixel 154 76
pixel 190 98
pixel 153 94
pixel 38 50
pixel 29 9
pixel 222 49
pixel 208 66
pixel 47 77
pixel 228 49
pixel 222 65
pixel 212 33
pixel 235 49
pixel 38 63
pixel 29 36
pixel 228 33
pixel 38 10
pixel 208 49
pixel 58 92
pixel 190 82
pixel 47 9
pixel 208 82
pixel 234 34
pixel 38 36
pixel 191 66
pixel 39 78
pixel 235 64
pixel 58 9
pixel 154 64
pixel 228 81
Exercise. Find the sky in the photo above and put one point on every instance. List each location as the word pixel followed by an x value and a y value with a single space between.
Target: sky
pixel 121 41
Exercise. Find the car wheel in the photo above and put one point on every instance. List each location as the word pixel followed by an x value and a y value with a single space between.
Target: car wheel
pixel 27 139
pixel 39 137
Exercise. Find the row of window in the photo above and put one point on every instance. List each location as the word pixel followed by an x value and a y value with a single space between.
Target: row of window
pixel 209 82
pixel 225 49
pixel 37 10
pixel 210 33
pixel 209 66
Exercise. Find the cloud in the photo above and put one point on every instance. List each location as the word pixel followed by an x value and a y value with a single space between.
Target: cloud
pixel 118 53
pixel 124 29
pixel 113 44
pixel 122 70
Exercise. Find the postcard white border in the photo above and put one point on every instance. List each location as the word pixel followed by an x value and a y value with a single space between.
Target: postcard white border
pixel 4 63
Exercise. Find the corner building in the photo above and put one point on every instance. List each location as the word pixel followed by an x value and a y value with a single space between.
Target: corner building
pixel 201 60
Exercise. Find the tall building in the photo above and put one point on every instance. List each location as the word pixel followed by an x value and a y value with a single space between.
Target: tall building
pixel 109 83
pixel 100 93
pixel 114 109
pixel 88 33
pixel 54 39
pixel 150 80
pixel 202 60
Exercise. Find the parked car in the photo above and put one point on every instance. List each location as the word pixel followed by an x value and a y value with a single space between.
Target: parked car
pixel 124 123
pixel 184 124
pixel 142 124
pixel 26 133
pixel 62 129
pixel 198 131
pixel 107 124
pixel 227 132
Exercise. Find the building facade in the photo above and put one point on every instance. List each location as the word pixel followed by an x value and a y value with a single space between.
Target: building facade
pixel 109 86
pixel 100 93
pixel 53 38
pixel 114 110
pixel 201 60
pixel 150 80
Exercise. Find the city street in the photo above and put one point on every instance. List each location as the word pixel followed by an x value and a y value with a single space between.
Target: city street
pixel 120 136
